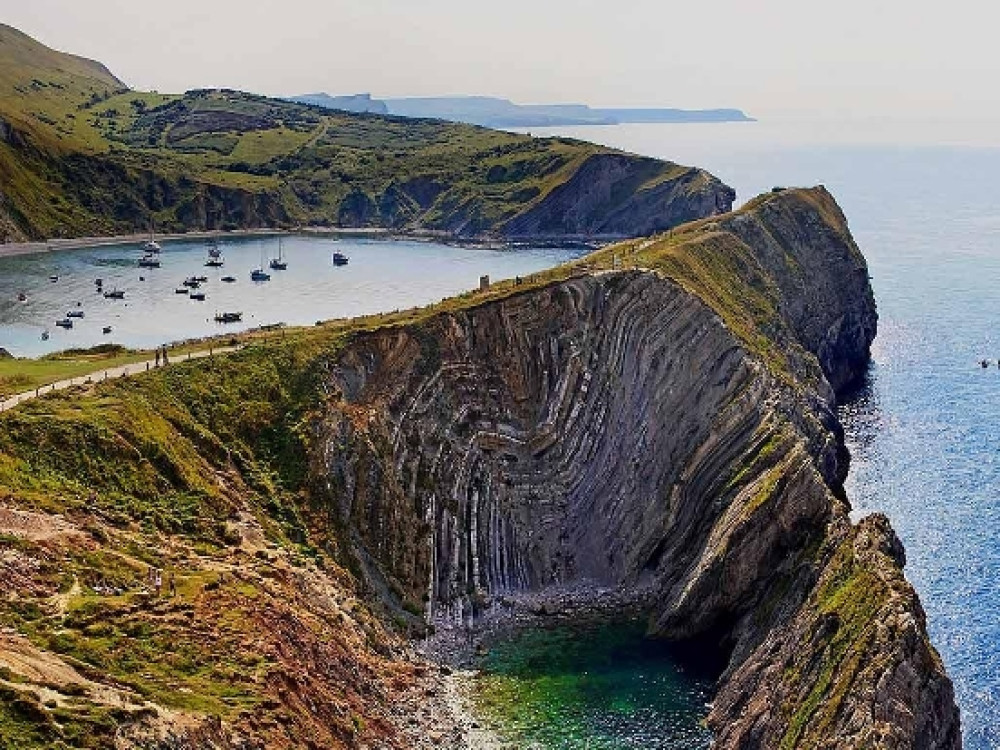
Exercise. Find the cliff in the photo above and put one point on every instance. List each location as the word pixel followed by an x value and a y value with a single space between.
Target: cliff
pixel 656 417
pixel 666 429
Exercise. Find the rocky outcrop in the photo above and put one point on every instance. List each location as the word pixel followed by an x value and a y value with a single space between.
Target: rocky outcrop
pixel 666 429
pixel 620 195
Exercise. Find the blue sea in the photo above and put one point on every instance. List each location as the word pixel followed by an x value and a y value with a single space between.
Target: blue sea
pixel 925 431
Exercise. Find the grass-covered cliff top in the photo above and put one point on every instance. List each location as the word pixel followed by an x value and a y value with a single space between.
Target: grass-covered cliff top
pixel 81 154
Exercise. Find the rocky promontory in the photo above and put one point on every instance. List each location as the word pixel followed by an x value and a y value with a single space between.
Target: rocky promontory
pixel 664 425
pixel 650 428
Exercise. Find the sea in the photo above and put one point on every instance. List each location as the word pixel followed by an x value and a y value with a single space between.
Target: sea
pixel 923 203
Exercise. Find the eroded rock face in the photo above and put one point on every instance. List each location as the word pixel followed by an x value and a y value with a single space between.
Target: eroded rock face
pixel 620 195
pixel 612 428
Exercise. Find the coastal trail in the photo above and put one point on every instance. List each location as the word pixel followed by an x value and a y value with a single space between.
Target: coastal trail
pixel 109 373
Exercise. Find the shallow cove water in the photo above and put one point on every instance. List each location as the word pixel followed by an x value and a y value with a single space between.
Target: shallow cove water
pixel 601 688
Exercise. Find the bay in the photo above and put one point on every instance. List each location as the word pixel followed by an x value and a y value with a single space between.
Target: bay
pixel 382 275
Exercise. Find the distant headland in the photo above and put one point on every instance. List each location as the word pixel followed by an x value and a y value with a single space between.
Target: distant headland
pixel 493 112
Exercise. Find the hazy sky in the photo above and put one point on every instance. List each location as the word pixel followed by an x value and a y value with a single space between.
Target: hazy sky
pixel 888 57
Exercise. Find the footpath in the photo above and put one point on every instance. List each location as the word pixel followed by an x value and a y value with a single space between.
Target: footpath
pixel 109 373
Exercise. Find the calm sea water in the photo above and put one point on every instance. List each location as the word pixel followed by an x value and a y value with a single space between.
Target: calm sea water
pixel 925 433
pixel 601 688
pixel 381 276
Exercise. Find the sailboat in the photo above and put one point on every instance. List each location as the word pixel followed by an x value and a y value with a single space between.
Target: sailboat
pixel 259 274
pixel 215 259
pixel 151 246
pixel 279 263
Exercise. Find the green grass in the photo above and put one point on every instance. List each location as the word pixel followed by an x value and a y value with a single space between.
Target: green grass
pixel 25 375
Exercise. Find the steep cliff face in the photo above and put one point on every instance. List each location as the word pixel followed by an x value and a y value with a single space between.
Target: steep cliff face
pixel 621 195
pixel 667 429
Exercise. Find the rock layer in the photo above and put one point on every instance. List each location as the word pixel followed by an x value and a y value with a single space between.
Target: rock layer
pixel 666 428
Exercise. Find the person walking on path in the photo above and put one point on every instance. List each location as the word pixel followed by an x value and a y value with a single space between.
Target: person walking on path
pixel 166 361
pixel 157 357
pixel 159 583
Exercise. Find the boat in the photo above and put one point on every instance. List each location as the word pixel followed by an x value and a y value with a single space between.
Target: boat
pixel 151 245
pixel 98 282
pixel 22 297
pixel 192 282
pixel 65 323
pixel 114 294
pixel 259 274
pixel 74 314
pixel 229 279
pixel 199 296
pixel 149 261
pixel 339 259
pixel 279 263
pixel 53 278
pixel 215 259
pixel 107 329
pixel 228 317
pixel 181 290
pixel 45 335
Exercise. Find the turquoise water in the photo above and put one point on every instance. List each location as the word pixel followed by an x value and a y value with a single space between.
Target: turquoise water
pixel 925 431
pixel 381 276
pixel 602 688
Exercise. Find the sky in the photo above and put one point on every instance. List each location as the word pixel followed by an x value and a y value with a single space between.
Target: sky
pixel 885 58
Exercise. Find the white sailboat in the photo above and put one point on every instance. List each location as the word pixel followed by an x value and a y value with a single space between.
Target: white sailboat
pixel 151 245
pixel 279 263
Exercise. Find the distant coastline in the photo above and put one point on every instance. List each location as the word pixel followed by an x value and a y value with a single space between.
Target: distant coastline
pixel 494 112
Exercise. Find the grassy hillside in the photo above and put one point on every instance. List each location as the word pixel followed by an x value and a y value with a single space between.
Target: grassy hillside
pixel 82 154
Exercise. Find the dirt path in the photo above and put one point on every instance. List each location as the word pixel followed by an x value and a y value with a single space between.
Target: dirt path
pixel 122 371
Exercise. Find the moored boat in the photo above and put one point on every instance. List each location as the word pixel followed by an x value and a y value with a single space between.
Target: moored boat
pixel 339 259
pixel 215 259
pixel 228 317
pixel 65 323
pixel 151 245
pixel 114 294
pixel 279 263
